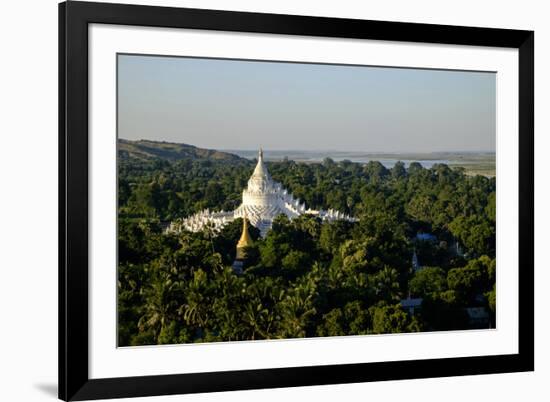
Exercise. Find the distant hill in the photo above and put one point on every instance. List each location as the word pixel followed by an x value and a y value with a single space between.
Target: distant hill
pixel 145 149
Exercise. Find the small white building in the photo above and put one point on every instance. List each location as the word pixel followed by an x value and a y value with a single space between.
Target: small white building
pixel 411 305
pixel 478 317
pixel 422 236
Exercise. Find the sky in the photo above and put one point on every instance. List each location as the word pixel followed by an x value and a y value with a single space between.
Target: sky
pixel 238 104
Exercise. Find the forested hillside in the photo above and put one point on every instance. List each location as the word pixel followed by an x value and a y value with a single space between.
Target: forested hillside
pixel 145 149
pixel 305 278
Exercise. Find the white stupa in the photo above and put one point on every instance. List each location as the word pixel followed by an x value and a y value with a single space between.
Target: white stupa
pixel 263 200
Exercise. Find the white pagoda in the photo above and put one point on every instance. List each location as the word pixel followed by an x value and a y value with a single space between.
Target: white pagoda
pixel 263 200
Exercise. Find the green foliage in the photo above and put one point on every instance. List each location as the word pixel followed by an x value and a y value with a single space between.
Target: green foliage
pixel 388 319
pixel 475 232
pixel 471 280
pixel 387 285
pixel 305 278
pixel 295 262
pixel 492 298
pixel 428 282
pixel 353 319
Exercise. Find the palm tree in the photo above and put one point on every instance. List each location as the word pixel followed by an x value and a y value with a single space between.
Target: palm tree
pixel 197 306
pixel 387 285
pixel 297 309
pixel 159 306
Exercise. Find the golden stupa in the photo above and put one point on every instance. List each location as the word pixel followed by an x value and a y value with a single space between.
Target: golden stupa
pixel 244 241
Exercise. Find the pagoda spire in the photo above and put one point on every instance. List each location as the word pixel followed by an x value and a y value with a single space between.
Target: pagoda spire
pixel 260 171
pixel 415 264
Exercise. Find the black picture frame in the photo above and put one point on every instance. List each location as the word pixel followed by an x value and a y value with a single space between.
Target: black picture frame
pixel 74 381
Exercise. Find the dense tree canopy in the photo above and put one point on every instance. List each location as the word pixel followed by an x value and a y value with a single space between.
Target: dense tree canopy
pixel 305 278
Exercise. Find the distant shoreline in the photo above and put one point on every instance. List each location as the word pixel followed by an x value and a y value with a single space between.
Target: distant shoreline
pixel 483 163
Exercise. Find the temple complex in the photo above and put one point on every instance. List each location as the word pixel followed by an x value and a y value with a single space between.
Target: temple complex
pixel 262 201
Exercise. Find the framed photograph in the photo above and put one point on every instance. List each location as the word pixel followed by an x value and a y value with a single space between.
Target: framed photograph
pixel 257 200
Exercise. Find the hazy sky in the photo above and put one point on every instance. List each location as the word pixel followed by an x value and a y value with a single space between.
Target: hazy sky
pixel 232 104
